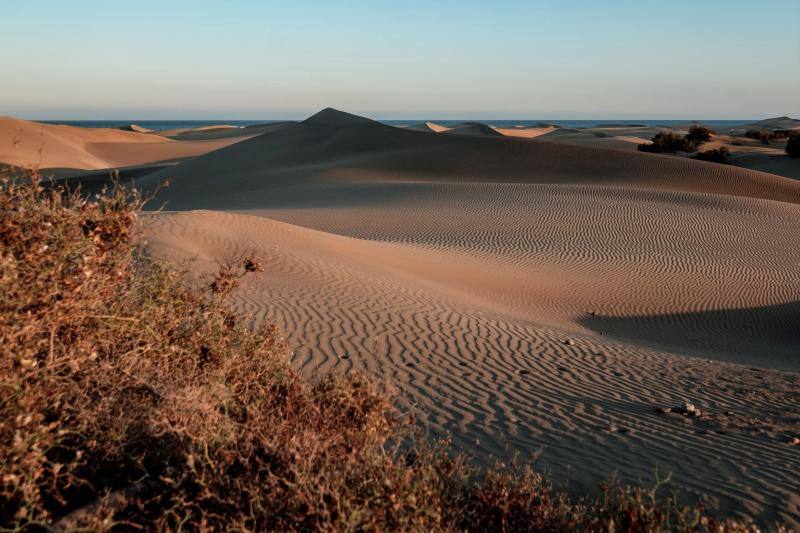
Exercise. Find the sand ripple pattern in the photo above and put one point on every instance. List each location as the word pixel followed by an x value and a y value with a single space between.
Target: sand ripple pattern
pixel 544 319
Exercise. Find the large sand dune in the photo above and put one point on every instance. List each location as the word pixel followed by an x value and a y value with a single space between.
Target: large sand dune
pixel 528 297
pixel 25 143
pixel 335 147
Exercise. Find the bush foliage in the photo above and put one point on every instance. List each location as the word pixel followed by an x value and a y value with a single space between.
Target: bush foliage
pixel 793 145
pixel 698 135
pixel 717 155
pixel 766 136
pixel 665 141
pixel 131 397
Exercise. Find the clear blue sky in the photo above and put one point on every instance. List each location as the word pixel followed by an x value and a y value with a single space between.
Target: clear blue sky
pixel 400 59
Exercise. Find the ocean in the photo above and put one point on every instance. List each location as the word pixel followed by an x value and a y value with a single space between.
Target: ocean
pixel 159 125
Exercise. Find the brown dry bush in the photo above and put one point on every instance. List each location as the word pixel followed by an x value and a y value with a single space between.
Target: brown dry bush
pixel 132 397
pixel 765 136
pixel 717 155
pixel 697 135
pixel 665 141
pixel 793 145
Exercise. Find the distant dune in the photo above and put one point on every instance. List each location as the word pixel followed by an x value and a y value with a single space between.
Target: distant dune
pixel 338 147
pixel 223 132
pixel 24 143
pixel 136 128
pixel 476 129
pixel 777 123
pixel 428 126
pixel 527 132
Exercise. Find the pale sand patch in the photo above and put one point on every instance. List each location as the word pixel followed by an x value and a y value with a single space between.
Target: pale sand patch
pixel 525 133
pixel 438 128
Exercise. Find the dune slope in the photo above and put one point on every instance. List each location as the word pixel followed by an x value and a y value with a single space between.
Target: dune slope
pixel 25 143
pixel 336 147
pixel 526 297
pixel 549 349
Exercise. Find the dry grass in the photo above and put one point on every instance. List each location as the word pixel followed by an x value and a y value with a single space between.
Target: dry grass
pixel 131 397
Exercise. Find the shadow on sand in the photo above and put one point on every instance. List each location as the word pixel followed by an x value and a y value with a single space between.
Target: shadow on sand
pixel 767 336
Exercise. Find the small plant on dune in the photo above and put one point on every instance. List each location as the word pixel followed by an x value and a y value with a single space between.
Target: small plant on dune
pixel 717 155
pixel 131 397
pixel 766 136
pixel 793 145
pixel 665 141
pixel 698 135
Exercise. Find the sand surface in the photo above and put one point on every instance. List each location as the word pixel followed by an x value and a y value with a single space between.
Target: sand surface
pixel 535 298
pixel 526 133
pixel 25 143
pixel 540 291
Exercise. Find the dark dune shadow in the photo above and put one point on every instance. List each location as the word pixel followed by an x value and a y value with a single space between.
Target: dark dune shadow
pixel 767 336
pixel 91 181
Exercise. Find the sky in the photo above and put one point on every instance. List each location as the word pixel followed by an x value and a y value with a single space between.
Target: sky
pixel 447 59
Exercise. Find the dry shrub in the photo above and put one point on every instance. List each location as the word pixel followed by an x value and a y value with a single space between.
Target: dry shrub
pixel 131 397
pixel 697 135
pixel 665 141
pixel 765 136
pixel 793 145
pixel 717 155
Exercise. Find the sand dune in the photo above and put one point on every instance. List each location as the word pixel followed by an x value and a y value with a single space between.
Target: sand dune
pixel 336 147
pixel 428 126
pixel 625 138
pixel 25 143
pixel 525 296
pixel 476 129
pixel 776 123
pixel 526 133
pixel 137 128
pixel 222 132
pixel 541 330
pixel 200 134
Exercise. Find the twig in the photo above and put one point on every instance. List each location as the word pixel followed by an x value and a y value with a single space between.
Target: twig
pixel 112 317
pixel 114 501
